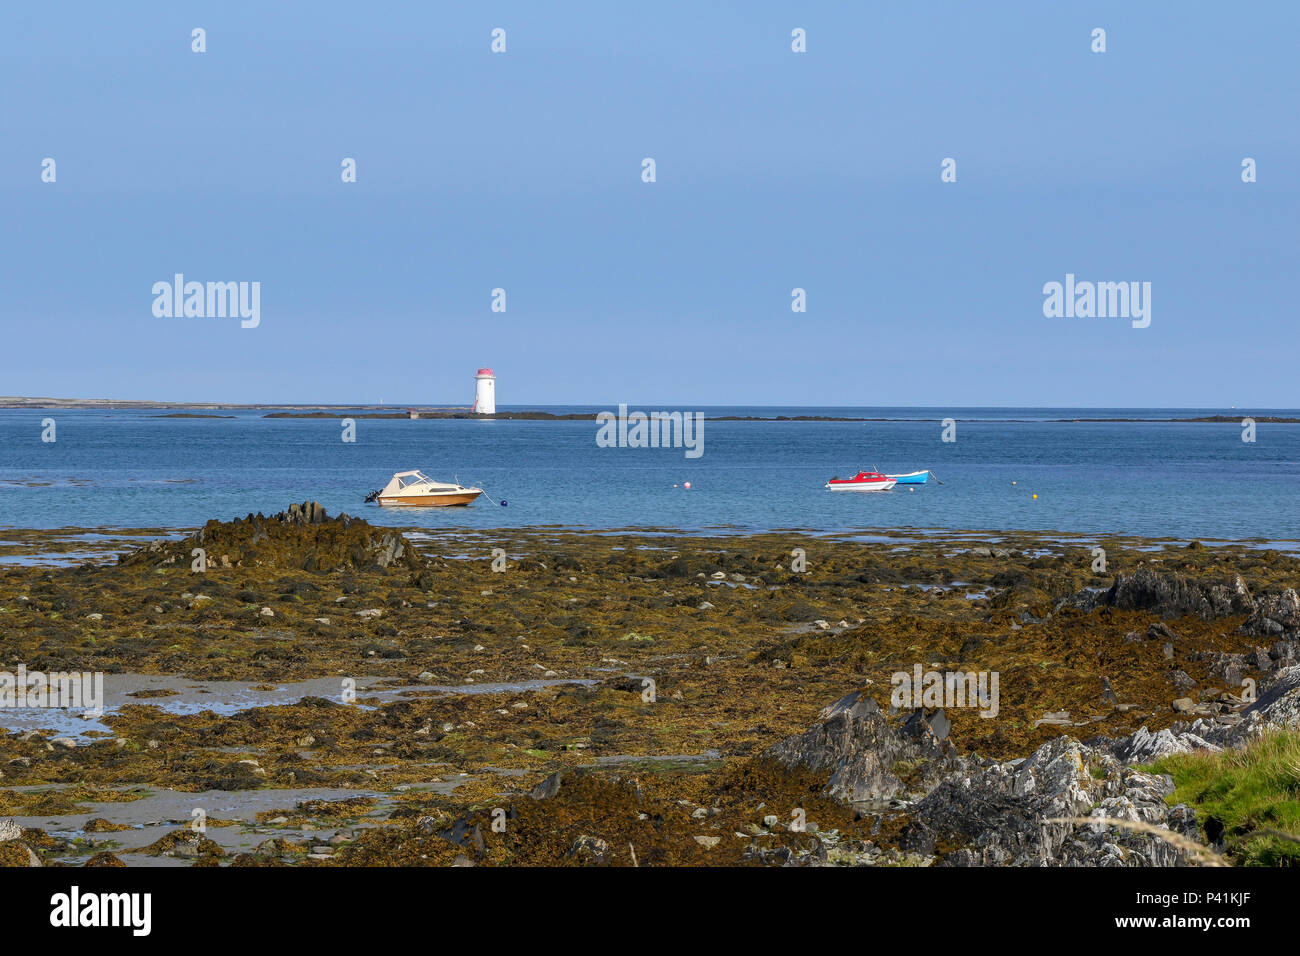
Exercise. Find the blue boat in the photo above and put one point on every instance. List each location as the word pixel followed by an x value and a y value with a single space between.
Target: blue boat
pixel 913 478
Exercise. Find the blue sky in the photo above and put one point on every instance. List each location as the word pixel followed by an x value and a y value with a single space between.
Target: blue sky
pixel 775 170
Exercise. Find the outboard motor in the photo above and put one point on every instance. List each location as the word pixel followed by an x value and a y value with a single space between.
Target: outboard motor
pixel 373 496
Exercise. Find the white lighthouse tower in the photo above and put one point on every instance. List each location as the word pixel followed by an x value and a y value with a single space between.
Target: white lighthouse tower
pixel 485 392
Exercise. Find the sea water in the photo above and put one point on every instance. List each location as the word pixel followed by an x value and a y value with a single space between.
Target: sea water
pixel 1160 478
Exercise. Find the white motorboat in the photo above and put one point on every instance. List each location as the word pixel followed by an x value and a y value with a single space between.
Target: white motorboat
pixel 417 488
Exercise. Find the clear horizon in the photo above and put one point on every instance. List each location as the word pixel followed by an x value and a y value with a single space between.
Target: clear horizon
pixel 516 407
pixel 775 171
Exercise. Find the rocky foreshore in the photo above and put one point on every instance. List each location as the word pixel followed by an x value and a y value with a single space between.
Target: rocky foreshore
pixel 542 697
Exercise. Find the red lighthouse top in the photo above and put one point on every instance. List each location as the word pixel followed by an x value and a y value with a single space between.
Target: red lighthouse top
pixel 485 371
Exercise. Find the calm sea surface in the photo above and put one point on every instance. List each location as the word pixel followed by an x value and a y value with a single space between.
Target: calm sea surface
pixel 136 469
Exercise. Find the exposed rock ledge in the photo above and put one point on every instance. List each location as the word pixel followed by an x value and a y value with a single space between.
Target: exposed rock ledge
pixel 301 537
pixel 969 811
pixel 1171 595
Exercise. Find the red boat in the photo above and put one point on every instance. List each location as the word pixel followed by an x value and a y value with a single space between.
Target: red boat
pixel 862 481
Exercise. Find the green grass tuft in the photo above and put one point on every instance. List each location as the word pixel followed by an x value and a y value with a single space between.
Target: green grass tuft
pixel 1248 799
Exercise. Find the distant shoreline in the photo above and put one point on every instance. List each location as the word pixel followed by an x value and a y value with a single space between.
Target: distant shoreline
pixel 12 402
pixel 204 410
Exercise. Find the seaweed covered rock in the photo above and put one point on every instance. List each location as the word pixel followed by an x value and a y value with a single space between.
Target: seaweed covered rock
pixel 303 537
pixel 104 858
pixel 14 851
pixel 684 567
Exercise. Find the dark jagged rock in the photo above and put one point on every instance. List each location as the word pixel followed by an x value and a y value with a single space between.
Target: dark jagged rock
pixel 1172 595
pixel 1175 595
pixel 548 787
pixel 1275 615
pixel 464 832
pixel 1161 632
pixel 1018 813
pixel 866 755
pixel 303 537
pixel 683 567
pixel 974 812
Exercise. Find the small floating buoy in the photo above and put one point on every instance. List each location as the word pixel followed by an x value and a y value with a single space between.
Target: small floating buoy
pixel 1035 496
pixel 686 485
pixel 503 502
